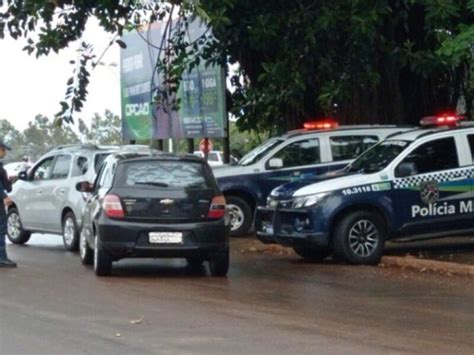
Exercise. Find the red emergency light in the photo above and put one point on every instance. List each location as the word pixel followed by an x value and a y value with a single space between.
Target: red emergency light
pixel 326 123
pixel 448 119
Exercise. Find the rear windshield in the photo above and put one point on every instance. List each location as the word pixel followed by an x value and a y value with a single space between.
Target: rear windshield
pixel 163 174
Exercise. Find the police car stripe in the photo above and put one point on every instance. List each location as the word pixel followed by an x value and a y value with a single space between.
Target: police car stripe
pixel 413 181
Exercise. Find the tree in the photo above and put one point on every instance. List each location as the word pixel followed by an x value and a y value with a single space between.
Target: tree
pixel 363 61
pixel 105 130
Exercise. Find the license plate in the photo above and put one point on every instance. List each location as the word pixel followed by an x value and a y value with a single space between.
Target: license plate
pixel 165 237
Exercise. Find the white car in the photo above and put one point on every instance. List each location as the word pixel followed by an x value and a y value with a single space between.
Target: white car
pixel 13 169
pixel 215 157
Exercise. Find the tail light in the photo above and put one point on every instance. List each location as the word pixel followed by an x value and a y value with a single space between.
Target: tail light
pixel 113 207
pixel 217 209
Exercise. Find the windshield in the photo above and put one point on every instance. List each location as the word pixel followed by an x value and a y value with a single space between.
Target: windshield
pixel 378 157
pixel 256 154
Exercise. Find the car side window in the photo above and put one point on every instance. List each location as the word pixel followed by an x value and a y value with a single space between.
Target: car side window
pixel 80 167
pixel 61 167
pixel 350 147
pixel 437 155
pixel 470 138
pixel 43 170
pixel 304 152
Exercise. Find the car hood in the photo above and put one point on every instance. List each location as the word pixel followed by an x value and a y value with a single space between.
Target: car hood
pixel 338 183
pixel 288 190
pixel 230 170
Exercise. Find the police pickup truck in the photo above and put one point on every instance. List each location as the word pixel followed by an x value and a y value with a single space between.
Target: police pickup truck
pixel 415 185
pixel 320 147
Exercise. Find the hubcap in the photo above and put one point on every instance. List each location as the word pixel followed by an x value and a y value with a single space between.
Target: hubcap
pixel 69 231
pixel 236 216
pixel 14 226
pixel 363 238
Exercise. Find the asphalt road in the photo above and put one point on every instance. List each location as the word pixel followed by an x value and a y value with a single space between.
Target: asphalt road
pixel 269 304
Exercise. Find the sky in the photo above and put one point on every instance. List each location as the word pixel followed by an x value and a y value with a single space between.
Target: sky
pixel 31 86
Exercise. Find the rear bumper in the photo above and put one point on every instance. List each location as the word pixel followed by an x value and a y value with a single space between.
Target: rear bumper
pixel 288 227
pixel 123 239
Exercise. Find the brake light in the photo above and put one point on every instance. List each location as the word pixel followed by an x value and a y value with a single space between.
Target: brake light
pixel 217 209
pixel 327 123
pixel 113 207
pixel 441 120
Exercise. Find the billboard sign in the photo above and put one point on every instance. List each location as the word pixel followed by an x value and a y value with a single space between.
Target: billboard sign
pixel 201 93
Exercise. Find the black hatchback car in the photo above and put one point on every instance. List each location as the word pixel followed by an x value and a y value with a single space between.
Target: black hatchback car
pixel 153 204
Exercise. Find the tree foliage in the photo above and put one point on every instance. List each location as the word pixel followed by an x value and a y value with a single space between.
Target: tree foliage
pixel 386 61
pixel 42 134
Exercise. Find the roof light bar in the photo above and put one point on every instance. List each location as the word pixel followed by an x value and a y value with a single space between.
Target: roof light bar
pixel 447 119
pixel 327 123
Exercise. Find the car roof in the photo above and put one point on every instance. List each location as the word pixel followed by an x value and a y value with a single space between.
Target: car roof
pixel 344 128
pixel 424 132
pixel 128 154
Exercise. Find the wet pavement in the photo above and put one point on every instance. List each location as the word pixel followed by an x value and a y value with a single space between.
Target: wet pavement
pixel 270 303
pixel 457 250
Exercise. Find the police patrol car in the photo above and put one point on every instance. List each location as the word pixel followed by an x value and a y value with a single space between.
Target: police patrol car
pixel 320 147
pixel 415 185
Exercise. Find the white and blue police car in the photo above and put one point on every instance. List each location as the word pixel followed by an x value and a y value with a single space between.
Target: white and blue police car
pixel 320 147
pixel 414 185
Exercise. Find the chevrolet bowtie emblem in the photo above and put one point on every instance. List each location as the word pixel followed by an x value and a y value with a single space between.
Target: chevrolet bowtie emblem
pixel 167 201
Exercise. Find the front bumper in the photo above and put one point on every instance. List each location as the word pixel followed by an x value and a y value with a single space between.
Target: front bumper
pixel 288 227
pixel 124 239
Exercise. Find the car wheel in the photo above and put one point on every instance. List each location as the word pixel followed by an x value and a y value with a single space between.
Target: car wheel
pixel 102 260
pixel 219 264
pixel 240 215
pixel 312 253
pixel 15 232
pixel 85 252
pixel 70 232
pixel 359 238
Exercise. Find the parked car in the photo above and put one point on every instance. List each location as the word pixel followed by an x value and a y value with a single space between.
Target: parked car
pixel 13 169
pixel 215 158
pixel 45 199
pixel 412 186
pixel 154 205
pixel 321 147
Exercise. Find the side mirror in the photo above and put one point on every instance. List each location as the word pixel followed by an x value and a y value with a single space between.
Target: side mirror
pixel 406 169
pixel 275 163
pixel 23 176
pixel 84 186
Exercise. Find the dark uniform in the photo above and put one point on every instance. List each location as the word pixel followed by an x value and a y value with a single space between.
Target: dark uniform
pixel 5 186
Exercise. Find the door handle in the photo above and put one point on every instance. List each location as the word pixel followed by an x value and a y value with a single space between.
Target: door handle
pixel 62 191
pixel 39 192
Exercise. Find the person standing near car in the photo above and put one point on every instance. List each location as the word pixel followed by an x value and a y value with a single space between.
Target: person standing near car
pixel 5 186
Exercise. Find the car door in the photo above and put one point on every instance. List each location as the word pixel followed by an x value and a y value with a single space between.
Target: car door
pixel 30 197
pixel 433 185
pixel 470 140
pixel 55 192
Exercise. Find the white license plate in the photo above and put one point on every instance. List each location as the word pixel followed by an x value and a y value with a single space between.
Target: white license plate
pixel 165 237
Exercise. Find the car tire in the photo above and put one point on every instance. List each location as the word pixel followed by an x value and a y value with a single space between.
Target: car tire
pixel 102 260
pixel 359 238
pixel 70 232
pixel 15 232
pixel 240 215
pixel 86 253
pixel 219 264
pixel 312 253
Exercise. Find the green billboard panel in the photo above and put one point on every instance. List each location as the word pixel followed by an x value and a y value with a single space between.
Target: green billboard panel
pixel 202 110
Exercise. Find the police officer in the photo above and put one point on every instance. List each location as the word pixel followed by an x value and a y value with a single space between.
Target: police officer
pixel 5 201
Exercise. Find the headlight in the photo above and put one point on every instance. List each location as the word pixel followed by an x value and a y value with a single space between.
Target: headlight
pixel 308 200
pixel 271 203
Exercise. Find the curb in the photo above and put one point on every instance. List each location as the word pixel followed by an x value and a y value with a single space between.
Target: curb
pixel 427 265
